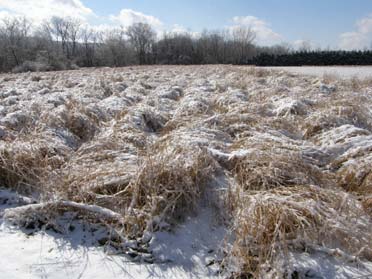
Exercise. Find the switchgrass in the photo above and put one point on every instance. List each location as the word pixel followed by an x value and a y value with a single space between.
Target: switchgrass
pixel 266 170
pixel 22 165
pixel 357 179
pixel 290 181
pixel 164 185
pixel 169 185
pixel 274 222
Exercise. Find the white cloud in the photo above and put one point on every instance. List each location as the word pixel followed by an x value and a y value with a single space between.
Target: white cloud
pixel 365 25
pixel 38 10
pixel 127 17
pixel 179 29
pixel 264 33
pixel 353 40
pixel 5 14
pixel 360 38
pixel 304 45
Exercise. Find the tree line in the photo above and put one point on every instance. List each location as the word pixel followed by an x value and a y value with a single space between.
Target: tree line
pixel 67 43
pixel 314 58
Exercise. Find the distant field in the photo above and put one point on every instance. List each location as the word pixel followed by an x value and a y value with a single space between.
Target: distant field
pixel 339 71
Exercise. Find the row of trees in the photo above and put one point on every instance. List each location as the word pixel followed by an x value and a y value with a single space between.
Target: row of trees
pixel 314 58
pixel 63 43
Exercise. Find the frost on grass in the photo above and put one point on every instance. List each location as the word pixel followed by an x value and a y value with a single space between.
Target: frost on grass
pixel 282 162
pixel 298 218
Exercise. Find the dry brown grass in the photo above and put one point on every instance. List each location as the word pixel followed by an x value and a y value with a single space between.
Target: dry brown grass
pixel 170 185
pixel 367 204
pixel 357 84
pixel 329 78
pixel 272 223
pixel 167 185
pixel 353 112
pixel 258 72
pixel 266 170
pixel 286 179
pixel 242 76
pixel 22 165
pixel 356 180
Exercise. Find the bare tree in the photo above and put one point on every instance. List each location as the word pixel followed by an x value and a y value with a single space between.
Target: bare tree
pixel 73 33
pixel 15 37
pixel 243 38
pixel 281 49
pixel 59 28
pixel 142 37
pixel 215 46
pixel 65 31
pixel 305 46
pixel 175 48
pixel 89 38
pixel 115 49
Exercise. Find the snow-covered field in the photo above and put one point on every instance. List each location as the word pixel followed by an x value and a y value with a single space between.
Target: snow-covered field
pixel 344 72
pixel 184 172
pixel 26 254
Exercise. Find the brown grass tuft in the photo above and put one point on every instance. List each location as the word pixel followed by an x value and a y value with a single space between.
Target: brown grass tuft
pixel 23 165
pixel 169 185
pixel 267 170
pixel 270 224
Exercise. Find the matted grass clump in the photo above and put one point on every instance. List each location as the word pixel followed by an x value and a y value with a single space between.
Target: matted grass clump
pixel 265 170
pixel 23 165
pixel 270 224
pixel 357 179
pixel 346 110
pixel 164 186
pixel 170 184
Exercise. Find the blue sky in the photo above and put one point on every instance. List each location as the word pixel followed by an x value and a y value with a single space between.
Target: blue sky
pixel 334 23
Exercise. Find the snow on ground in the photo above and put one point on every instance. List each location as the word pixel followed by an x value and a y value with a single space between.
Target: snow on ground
pixel 52 256
pixel 345 72
pixel 320 265
pixel 184 253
